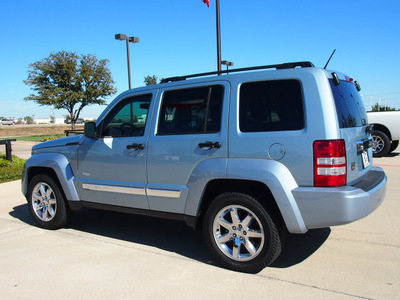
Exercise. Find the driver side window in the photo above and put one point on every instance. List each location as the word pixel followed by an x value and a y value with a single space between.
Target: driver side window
pixel 128 117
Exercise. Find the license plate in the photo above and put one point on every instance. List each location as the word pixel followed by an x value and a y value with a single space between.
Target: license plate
pixel 365 159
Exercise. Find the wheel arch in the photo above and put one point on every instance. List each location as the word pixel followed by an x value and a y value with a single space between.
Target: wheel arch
pixel 382 128
pixel 263 179
pixel 54 165
pixel 256 189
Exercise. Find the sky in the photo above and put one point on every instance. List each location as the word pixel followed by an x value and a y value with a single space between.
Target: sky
pixel 178 37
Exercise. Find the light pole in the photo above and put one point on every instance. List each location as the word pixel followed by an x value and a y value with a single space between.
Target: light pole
pixel 227 64
pixel 133 40
pixel 218 37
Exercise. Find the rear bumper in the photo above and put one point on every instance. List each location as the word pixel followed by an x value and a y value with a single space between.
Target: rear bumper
pixel 324 207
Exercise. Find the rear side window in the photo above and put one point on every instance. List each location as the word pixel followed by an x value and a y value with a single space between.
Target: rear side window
pixel 274 105
pixel 349 106
pixel 191 111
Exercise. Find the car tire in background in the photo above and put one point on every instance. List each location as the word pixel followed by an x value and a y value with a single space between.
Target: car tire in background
pixel 381 143
pixel 393 146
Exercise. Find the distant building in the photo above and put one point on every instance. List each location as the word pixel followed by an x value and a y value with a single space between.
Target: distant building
pixel 55 120
pixel 49 121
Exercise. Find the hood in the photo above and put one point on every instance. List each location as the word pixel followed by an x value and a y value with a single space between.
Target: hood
pixel 69 140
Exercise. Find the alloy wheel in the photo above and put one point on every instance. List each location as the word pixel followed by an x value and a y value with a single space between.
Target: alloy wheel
pixel 238 233
pixel 44 202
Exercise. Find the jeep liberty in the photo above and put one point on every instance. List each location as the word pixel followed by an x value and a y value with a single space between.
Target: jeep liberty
pixel 246 156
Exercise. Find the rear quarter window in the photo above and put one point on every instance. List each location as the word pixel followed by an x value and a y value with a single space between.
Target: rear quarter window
pixel 274 105
pixel 349 106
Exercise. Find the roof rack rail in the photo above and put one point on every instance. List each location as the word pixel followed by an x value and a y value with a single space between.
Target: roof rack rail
pixel 291 65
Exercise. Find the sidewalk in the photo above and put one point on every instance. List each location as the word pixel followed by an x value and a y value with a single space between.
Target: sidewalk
pixel 21 149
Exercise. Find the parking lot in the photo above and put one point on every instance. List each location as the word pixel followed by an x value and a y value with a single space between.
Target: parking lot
pixel 118 256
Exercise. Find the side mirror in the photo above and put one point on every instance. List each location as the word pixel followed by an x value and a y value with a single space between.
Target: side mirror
pixel 90 130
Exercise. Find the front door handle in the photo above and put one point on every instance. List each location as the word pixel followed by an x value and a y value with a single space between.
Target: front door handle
pixel 210 144
pixel 135 146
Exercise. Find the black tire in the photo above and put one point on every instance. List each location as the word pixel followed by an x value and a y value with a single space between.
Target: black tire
pixel 257 233
pixel 381 143
pixel 46 203
pixel 393 146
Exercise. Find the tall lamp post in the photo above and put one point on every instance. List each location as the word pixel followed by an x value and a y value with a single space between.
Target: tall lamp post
pixel 227 64
pixel 128 40
pixel 218 37
pixel 218 33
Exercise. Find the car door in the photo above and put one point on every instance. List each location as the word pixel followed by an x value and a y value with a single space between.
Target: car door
pixel 112 168
pixel 191 128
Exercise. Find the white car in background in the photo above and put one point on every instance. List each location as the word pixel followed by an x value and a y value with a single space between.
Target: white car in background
pixel 7 122
pixel 386 131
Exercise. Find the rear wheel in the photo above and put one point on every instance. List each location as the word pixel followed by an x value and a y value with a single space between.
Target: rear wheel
pixel 46 203
pixel 240 233
pixel 381 143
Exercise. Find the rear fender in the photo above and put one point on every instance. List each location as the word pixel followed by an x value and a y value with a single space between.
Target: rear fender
pixel 280 182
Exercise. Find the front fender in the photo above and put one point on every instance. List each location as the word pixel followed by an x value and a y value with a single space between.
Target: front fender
pixel 280 182
pixel 59 164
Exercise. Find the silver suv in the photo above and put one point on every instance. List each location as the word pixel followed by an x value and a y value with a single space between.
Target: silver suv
pixel 247 156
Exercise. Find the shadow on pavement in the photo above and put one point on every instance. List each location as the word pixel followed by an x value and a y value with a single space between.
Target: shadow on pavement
pixel 21 213
pixel 393 154
pixel 168 235
pixel 299 247
pixel 173 236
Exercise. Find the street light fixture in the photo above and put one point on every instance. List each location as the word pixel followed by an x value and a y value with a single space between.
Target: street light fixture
pixel 228 64
pixel 132 39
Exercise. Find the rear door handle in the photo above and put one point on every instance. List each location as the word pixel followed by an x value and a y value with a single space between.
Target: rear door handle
pixel 210 144
pixel 135 146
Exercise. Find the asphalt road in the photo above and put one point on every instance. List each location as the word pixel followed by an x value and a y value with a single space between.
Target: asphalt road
pixel 104 255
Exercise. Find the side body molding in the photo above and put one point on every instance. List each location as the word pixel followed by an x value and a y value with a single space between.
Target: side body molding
pixel 280 182
pixel 57 162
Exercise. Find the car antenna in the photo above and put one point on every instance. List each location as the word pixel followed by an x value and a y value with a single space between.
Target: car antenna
pixel 329 58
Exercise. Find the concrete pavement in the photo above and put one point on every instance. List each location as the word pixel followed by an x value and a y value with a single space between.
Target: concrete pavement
pixel 117 256
pixel 21 149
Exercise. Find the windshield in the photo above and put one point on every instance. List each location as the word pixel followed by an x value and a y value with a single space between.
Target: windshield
pixel 349 106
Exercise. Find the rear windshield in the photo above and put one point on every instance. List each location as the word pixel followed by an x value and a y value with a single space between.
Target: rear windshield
pixel 349 106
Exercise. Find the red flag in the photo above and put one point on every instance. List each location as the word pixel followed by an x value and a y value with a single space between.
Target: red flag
pixel 207 2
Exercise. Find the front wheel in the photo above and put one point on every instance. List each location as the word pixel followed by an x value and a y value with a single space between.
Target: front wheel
pixel 240 233
pixel 46 203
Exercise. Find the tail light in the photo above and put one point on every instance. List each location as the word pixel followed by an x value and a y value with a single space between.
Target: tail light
pixel 330 163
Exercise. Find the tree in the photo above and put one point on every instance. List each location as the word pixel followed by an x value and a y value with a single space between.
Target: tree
pixel 150 80
pixel 69 81
pixel 377 107
pixel 28 120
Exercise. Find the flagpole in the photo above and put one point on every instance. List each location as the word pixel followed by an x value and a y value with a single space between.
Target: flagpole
pixel 218 38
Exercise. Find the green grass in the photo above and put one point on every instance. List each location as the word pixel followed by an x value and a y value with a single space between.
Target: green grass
pixel 36 138
pixel 11 171
pixel 39 138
